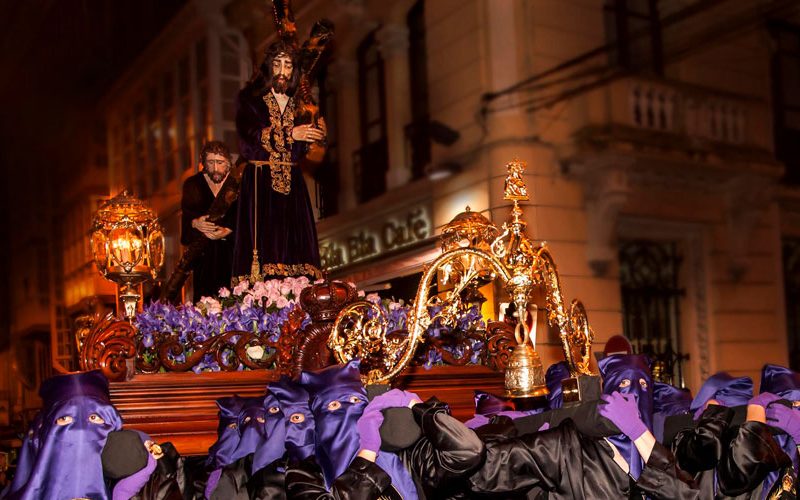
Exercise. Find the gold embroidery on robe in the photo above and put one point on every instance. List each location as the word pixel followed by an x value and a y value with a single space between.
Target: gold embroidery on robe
pixel 277 141
pixel 279 269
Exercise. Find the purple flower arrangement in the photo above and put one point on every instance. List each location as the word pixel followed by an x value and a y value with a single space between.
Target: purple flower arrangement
pixel 261 308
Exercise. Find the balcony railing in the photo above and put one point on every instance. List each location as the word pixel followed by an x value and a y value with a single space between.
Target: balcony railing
pixel 695 113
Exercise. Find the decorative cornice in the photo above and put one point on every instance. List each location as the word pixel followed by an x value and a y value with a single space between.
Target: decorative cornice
pixel 606 183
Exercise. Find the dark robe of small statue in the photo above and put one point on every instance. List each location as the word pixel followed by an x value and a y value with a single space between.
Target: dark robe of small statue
pixel 212 270
pixel 274 206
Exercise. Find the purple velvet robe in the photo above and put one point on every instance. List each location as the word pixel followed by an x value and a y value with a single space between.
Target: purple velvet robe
pixel 274 206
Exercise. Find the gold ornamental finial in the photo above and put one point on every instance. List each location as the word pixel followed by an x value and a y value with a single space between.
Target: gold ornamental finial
pixel 515 189
pixel 474 252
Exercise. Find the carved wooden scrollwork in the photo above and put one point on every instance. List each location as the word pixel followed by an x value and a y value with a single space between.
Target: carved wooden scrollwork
pixel 500 342
pixel 289 341
pixel 228 349
pixel 313 352
pixel 108 346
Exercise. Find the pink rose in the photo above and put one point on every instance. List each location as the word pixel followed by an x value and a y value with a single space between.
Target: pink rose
pixel 241 287
pixel 374 298
pixel 224 292
pixel 281 302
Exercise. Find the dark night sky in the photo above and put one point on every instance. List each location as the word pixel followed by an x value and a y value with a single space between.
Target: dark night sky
pixel 58 58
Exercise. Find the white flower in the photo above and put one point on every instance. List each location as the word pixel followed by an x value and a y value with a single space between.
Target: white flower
pixel 361 293
pixel 211 305
pixel 374 298
pixel 255 351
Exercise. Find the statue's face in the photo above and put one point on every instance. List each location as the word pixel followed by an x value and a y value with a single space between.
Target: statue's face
pixel 282 67
pixel 216 167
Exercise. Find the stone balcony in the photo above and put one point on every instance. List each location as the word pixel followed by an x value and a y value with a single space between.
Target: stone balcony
pixel 637 138
pixel 663 122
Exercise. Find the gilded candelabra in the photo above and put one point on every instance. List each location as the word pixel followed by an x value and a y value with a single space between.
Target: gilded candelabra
pixel 127 245
pixel 474 252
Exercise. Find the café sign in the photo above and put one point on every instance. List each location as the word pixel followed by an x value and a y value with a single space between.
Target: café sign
pixel 375 238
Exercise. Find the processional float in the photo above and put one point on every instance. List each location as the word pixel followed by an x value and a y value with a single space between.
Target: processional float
pixel 474 253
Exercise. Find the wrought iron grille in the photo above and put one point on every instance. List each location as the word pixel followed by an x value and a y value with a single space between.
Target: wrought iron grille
pixel 791 280
pixel 651 296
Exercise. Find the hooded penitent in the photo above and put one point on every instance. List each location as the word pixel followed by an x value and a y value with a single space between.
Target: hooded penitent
pixel 338 399
pixel 555 374
pixel 727 390
pixel 784 383
pixel 629 374
pixel 76 418
pixel 221 452
pixel 296 420
pixel 668 401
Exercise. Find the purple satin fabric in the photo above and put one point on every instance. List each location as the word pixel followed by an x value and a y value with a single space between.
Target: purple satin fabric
pixel 27 455
pixel 68 463
pixel 729 391
pixel 668 400
pixel 555 374
pixel 252 428
pixel 785 383
pixel 488 405
pixel 614 369
pixel 220 453
pixel 337 441
pixel 291 398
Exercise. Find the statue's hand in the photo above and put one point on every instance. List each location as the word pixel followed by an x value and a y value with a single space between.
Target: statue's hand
pixel 307 133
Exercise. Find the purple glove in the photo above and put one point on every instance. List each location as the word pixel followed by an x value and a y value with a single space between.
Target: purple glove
pixel 369 430
pixel 623 411
pixel 391 399
pixel 785 419
pixel 764 399
pixel 127 487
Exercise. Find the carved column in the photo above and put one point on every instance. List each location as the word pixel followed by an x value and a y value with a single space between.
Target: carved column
pixel 393 45
pixel 344 76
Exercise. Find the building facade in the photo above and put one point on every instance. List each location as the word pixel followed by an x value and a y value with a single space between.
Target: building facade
pixel 658 137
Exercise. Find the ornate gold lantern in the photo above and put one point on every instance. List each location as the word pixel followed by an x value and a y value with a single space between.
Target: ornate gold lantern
pixel 127 245
pixel 474 251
